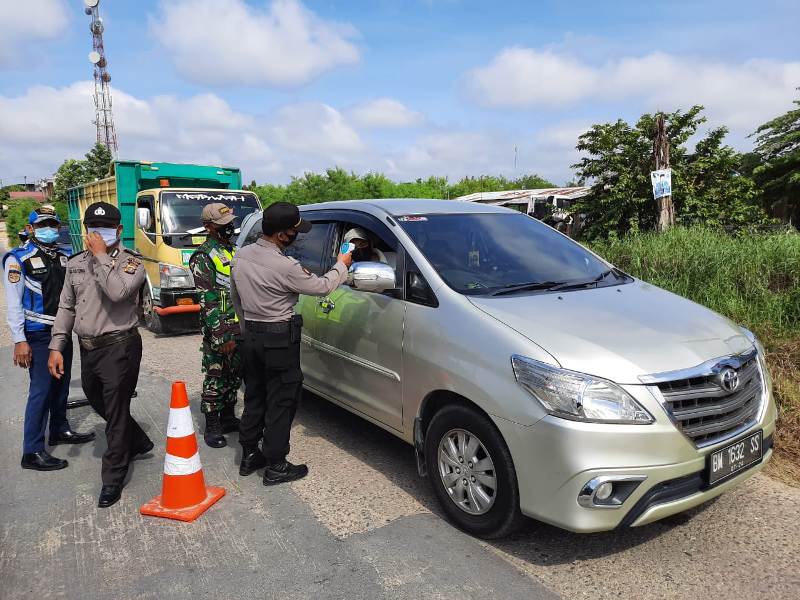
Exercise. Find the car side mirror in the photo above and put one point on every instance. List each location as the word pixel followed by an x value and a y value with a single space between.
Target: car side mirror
pixel 144 218
pixel 371 277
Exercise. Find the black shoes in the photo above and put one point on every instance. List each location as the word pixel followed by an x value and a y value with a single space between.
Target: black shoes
pixel 252 461
pixel 283 472
pixel 109 494
pixel 70 437
pixel 213 433
pixel 42 461
pixel 229 421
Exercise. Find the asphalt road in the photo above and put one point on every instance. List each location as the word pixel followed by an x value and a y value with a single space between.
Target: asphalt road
pixel 362 525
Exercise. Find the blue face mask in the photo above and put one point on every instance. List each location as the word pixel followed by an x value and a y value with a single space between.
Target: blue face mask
pixel 46 235
pixel 109 234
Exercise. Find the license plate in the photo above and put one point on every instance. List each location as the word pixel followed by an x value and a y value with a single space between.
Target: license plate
pixel 734 457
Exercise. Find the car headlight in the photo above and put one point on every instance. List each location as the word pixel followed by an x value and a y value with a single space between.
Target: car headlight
pixel 175 277
pixel 577 396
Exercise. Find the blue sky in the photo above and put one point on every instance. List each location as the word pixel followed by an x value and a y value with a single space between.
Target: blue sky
pixel 414 88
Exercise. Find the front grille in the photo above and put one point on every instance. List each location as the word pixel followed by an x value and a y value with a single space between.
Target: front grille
pixel 706 412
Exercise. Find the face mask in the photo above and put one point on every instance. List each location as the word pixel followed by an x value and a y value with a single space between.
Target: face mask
pixel 109 234
pixel 46 235
pixel 227 232
pixel 290 238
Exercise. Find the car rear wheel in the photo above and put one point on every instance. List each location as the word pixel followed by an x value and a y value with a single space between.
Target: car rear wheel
pixel 149 315
pixel 471 472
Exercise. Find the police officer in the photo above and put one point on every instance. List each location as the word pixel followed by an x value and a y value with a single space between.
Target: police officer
pixel 100 301
pixel 34 273
pixel 211 267
pixel 265 288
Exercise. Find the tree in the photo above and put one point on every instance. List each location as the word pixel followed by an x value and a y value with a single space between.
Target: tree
pixel 708 185
pixel 71 173
pixel 98 162
pixel 777 171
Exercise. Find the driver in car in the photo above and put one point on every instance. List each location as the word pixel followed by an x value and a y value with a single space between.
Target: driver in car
pixel 364 252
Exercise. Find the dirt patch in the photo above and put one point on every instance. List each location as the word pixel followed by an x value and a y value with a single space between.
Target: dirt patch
pixel 783 358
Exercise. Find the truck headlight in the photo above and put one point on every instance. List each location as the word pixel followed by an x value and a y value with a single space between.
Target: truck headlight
pixel 577 396
pixel 175 277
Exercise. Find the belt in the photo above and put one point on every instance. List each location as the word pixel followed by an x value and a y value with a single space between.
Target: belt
pixel 264 327
pixel 101 341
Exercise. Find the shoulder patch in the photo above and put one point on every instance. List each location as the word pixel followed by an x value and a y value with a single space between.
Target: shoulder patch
pixel 131 265
pixel 132 252
pixel 78 256
pixel 14 275
pixel 306 271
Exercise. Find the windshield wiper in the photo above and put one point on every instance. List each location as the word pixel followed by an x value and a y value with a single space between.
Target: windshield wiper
pixel 576 285
pixel 521 287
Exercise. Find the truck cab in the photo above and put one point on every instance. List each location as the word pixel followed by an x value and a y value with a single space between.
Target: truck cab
pixel 168 231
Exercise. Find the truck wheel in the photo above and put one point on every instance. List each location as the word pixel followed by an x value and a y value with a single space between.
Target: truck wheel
pixel 471 472
pixel 150 317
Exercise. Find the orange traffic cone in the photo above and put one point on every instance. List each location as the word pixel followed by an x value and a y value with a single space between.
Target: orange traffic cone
pixel 184 495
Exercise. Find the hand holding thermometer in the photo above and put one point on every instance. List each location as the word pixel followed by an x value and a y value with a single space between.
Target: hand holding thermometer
pixel 347 247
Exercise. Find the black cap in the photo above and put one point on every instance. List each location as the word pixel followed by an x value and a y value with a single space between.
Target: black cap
pixel 282 216
pixel 101 213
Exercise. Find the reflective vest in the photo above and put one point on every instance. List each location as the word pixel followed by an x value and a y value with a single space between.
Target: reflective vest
pixel 43 274
pixel 221 259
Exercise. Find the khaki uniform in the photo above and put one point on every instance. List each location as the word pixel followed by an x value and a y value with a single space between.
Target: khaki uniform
pixel 99 302
pixel 265 285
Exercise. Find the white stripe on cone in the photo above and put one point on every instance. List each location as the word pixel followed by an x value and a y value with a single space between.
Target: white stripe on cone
pixel 176 465
pixel 180 422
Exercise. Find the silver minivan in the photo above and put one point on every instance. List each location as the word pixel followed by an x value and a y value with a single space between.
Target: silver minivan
pixel 531 376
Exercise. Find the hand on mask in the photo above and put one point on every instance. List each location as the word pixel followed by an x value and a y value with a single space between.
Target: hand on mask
pixel 95 244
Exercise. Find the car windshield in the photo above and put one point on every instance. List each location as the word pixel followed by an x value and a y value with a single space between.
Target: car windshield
pixel 503 253
pixel 180 213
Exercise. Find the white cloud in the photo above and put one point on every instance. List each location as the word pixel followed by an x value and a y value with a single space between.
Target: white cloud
pixel 384 113
pixel 231 42
pixel 741 95
pixel 26 22
pixel 315 129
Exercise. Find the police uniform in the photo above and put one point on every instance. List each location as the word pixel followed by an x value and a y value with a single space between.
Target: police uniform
pixel 265 288
pixel 99 302
pixel 211 268
pixel 34 276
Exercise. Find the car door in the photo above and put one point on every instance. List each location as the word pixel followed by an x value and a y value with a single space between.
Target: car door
pixel 359 337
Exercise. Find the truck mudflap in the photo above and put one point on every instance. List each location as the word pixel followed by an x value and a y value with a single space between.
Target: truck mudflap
pixel 178 310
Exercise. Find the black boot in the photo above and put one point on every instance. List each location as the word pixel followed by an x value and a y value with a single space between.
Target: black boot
pixel 252 460
pixel 213 433
pixel 70 437
pixel 42 461
pixel 283 472
pixel 109 494
pixel 229 421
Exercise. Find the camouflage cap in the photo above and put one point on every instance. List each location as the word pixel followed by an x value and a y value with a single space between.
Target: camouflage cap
pixel 217 213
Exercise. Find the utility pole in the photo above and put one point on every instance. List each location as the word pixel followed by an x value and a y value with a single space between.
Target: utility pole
pixel 666 209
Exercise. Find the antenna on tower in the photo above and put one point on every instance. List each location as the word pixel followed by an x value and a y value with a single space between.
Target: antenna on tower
pixel 103 117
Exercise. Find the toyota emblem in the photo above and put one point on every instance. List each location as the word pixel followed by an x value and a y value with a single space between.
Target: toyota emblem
pixel 729 379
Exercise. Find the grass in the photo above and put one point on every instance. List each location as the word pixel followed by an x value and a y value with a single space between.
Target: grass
pixel 754 279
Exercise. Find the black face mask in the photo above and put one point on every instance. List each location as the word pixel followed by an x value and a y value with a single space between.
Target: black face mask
pixel 290 238
pixel 227 232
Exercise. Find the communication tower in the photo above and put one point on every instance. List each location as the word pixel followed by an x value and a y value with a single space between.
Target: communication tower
pixel 103 117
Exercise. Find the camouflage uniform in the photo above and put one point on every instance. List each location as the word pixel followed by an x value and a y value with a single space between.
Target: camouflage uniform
pixel 210 265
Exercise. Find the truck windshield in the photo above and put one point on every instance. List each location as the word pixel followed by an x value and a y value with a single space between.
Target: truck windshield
pixel 180 213
pixel 493 254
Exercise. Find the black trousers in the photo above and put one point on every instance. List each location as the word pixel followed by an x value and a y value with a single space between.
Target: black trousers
pixel 273 384
pixel 109 377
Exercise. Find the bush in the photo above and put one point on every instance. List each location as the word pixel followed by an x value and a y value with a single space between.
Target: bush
pixel 753 279
pixel 20 210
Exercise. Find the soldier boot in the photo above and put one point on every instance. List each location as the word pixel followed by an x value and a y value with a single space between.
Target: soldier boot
pixel 230 422
pixel 213 433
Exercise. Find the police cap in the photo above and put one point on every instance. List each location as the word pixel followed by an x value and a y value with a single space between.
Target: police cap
pixel 282 216
pixel 46 212
pixel 101 213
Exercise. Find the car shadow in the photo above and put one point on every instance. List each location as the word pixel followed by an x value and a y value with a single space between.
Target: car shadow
pixel 535 542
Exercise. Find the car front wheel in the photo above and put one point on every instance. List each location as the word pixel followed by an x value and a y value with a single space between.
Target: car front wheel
pixel 471 471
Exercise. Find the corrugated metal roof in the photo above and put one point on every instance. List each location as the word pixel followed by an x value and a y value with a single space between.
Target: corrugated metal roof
pixel 508 196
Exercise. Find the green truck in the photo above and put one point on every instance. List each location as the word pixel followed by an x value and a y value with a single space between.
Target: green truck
pixel 161 205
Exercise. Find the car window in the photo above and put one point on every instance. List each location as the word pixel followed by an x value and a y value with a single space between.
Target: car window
pixel 313 247
pixel 253 234
pixel 483 253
